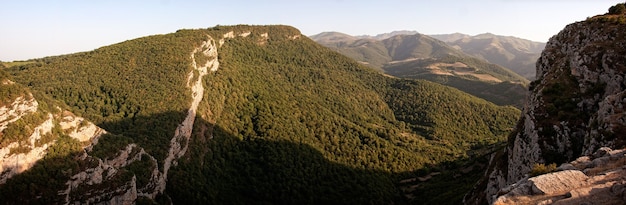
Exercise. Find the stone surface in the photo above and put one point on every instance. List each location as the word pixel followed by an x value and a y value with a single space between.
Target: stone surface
pixel 18 108
pixel 566 166
pixel 558 182
pixel 602 183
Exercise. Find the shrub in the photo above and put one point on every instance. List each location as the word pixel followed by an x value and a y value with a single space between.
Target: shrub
pixel 539 169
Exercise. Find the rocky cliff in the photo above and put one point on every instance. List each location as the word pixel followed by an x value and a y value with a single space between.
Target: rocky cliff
pixel 576 105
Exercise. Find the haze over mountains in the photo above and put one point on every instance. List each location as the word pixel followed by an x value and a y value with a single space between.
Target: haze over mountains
pixel 408 54
pixel 511 52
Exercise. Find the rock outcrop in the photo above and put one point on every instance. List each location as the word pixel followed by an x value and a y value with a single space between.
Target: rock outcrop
pixel 19 156
pixel 14 111
pixel 596 179
pixel 576 105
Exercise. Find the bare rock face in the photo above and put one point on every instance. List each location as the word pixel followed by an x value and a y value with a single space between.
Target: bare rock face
pixel 576 105
pixel 79 128
pixel 12 163
pixel 18 108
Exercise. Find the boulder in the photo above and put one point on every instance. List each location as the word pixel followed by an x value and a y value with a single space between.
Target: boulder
pixel 558 182
pixel 602 152
pixel 566 166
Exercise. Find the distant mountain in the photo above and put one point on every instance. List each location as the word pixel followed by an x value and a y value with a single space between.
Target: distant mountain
pixel 238 115
pixel 388 35
pixel 365 50
pixel 449 37
pixel 333 37
pixel 420 56
pixel 514 53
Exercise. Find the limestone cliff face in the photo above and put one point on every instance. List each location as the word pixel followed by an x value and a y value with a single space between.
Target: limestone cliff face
pixel 20 155
pixel 576 104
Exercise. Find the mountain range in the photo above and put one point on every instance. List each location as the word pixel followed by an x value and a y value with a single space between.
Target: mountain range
pixel 513 53
pixel 510 52
pixel 420 56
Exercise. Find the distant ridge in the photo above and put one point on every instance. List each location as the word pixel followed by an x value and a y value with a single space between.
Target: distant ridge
pixel 511 52
pixel 449 37
pixel 408 54
pixel 388 35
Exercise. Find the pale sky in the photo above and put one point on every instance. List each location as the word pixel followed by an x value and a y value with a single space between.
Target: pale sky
pixel 34 29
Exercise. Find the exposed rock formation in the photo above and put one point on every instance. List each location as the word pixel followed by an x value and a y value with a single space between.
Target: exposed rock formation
pixel 180 141
pixel 79 128
pixel 33 149
pixel 576 105
pixel 18 108
pixel 12 163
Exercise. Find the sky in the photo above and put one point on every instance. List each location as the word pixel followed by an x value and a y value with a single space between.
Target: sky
pixel 34 29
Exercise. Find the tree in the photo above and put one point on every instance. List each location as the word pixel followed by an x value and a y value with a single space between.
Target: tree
pixel 618 9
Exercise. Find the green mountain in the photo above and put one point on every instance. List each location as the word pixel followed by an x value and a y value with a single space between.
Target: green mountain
pixel 251 114
pixel 517 54
pixel 452 37
pixel 420 56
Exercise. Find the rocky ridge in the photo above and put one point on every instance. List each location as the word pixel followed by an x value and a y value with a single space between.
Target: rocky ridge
pixel 576 105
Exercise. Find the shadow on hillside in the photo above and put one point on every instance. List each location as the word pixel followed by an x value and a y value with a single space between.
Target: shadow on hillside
pixel 222 168
pixel 41 183
pixel 230 170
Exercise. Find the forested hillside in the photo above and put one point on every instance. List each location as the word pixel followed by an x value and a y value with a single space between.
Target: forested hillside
pixel 282 119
